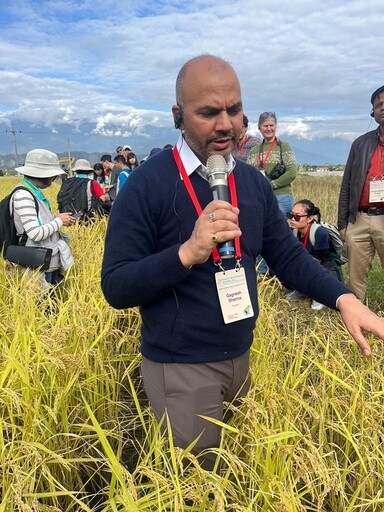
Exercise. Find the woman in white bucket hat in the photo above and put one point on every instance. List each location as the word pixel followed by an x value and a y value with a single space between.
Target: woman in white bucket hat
pixel 40 225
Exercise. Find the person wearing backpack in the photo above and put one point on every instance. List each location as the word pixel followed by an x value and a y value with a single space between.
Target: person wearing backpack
pixel 305 219
pixel 32 215
pixel 82 194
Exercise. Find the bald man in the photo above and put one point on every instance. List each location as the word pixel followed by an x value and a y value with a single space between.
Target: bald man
pixel 198 311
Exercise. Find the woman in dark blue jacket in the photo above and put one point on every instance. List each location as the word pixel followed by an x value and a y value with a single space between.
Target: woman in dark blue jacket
pixel 304 219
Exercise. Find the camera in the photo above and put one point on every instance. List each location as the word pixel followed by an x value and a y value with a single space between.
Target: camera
pixel 277 171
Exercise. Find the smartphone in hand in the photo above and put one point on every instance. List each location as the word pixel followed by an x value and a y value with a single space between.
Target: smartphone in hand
pixel 77 214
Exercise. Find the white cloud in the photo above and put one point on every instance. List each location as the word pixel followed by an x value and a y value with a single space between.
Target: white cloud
pixel 298 129
pixel 111 66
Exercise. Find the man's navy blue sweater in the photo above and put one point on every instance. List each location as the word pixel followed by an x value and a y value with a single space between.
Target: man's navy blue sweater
pixel 182 320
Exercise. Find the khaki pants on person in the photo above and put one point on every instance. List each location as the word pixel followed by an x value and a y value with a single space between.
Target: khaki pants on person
pixel 364 238
pixel 186 391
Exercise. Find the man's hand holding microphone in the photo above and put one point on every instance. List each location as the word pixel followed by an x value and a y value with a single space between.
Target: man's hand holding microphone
pixel 218 223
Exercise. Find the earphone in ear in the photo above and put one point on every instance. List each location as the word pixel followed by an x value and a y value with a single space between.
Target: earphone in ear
pixel 372 114
pixel 178 119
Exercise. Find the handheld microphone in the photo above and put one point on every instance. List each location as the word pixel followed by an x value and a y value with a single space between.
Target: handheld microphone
pixel 217 174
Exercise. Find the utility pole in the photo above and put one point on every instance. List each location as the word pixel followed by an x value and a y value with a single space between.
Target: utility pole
pixel 13 131
pixel 69 158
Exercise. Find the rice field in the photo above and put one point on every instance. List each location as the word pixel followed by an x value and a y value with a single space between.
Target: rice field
pixel 77 433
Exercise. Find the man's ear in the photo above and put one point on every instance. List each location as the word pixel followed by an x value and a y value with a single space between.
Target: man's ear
pixel 177 116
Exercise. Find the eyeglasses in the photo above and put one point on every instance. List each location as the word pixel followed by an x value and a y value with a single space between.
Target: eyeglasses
pixel 295 216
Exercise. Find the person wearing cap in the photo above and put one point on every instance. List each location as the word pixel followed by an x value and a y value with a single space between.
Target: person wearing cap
pixel 361 200
pixel 154 152
pixel 41 226
pixel 113 175
pixel 126 149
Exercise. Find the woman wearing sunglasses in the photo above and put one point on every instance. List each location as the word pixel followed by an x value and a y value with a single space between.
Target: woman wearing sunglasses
pixel 301 218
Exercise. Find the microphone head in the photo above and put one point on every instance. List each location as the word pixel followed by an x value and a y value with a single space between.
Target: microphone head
pixel 216 163
pixel 217 170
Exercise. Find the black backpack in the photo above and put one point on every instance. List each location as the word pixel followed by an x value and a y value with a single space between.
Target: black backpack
pixel 8 235
pixel 72 196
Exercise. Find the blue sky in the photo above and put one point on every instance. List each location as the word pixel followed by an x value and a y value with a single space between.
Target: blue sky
pixel 103 71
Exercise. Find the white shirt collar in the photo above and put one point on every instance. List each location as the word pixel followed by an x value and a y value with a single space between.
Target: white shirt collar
pixel 192 163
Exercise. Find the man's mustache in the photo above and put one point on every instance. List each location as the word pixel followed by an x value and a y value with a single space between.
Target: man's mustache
pixel 222 135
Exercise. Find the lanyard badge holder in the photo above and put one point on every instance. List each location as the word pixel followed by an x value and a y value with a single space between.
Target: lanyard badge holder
pixel 231 284
pixel 376 187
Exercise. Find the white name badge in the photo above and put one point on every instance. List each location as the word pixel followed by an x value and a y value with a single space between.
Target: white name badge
pixel 376 191
pixel 233 295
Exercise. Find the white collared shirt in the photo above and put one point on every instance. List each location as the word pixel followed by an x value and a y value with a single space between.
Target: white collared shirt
pixel 192 163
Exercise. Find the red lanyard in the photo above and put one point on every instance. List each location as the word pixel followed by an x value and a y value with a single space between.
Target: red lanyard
pixel 242 147
pixel 263 162
pixel 377 157
pixel 306 236
pixel 375 163
pixel 196 203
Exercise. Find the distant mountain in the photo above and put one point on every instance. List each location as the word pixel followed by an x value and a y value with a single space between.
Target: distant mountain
pixel 321 151
pixel 87 144
pixel 8 161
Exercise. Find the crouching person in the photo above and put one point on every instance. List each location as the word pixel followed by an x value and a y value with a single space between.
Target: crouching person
pixel 304 219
